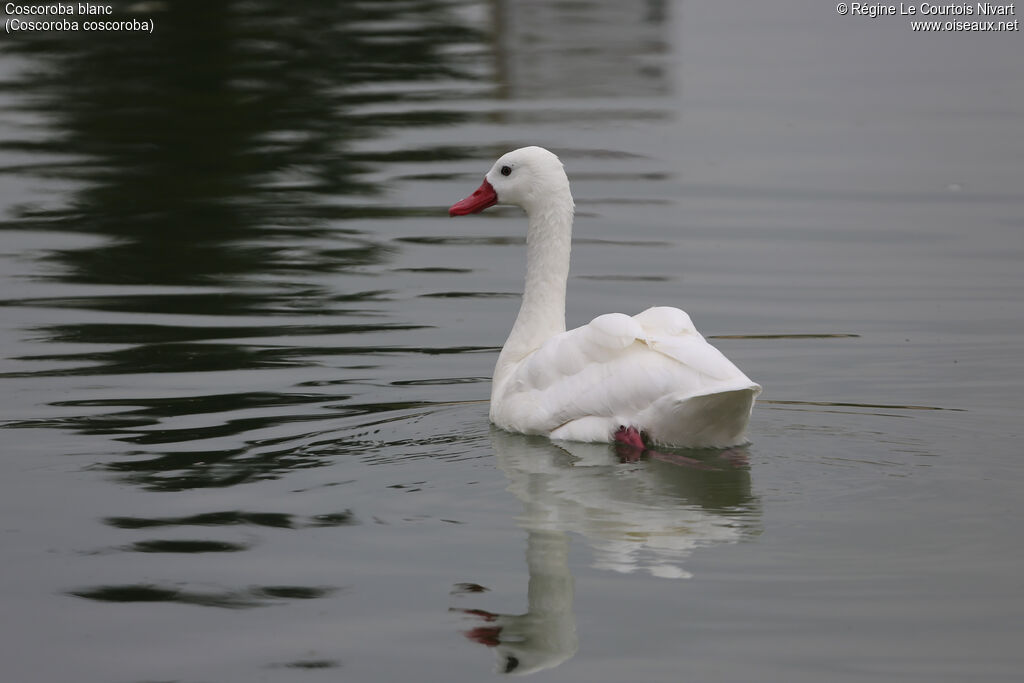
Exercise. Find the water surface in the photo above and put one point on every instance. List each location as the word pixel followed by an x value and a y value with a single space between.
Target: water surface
pixel 246 355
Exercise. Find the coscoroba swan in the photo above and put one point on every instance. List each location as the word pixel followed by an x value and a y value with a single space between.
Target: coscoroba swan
pixel 647 379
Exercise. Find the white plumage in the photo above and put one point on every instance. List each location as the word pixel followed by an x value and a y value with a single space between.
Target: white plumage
pixel 653 371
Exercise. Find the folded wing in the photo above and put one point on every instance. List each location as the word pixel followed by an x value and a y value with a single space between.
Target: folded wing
pixel 617 369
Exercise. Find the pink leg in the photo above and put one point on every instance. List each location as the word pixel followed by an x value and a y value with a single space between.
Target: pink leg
pixel 630 447
pixel 630 436
pixel 629 444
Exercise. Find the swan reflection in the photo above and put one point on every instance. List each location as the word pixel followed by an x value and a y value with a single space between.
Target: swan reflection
pixel 644 514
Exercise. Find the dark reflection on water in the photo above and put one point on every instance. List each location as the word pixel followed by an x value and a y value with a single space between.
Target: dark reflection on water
pixel 269 303
pixel 174 356
pixel 185 546
pixel 336 428
pixel 220 161
pixel 143 334
pixel 241 134
pixel 255 596
pixel 308 664
pixel 216 153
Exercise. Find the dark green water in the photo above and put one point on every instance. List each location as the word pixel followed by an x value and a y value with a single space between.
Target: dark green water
pixel 246 354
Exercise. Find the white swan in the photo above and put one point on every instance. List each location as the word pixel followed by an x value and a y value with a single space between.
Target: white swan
pixel 650 378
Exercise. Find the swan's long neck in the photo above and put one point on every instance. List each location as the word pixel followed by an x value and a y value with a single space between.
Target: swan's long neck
pixel 548 243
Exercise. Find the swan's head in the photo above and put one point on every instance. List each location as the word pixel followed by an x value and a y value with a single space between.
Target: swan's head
pixel 529 177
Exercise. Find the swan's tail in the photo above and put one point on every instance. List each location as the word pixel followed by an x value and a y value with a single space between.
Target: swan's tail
pixel 712 420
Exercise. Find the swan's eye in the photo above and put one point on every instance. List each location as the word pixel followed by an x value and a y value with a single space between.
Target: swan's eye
pixel 506 170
